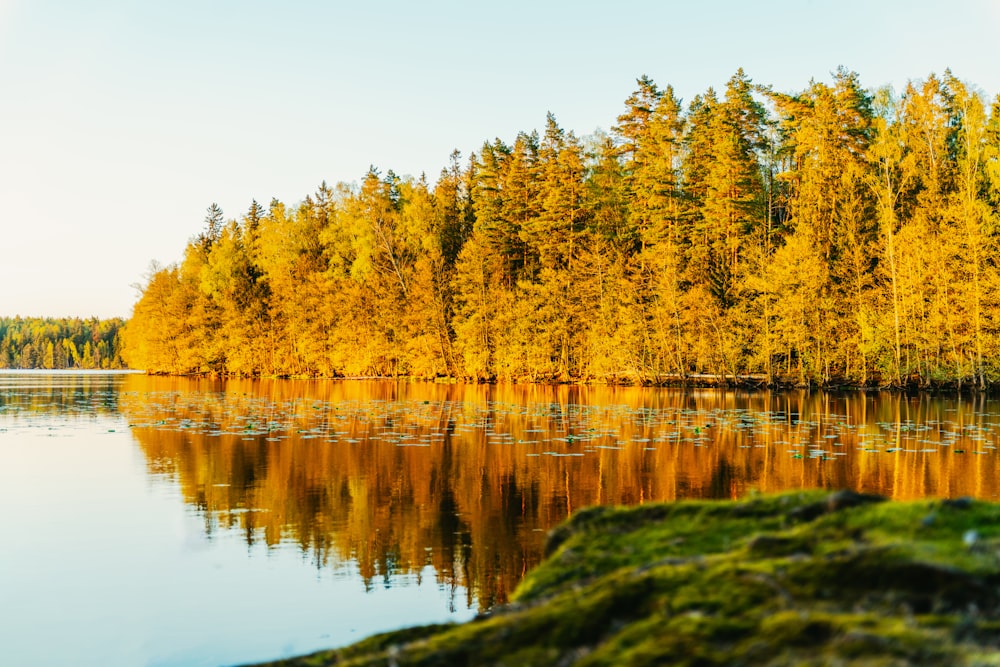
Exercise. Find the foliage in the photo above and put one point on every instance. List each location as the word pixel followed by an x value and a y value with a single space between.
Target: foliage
pixel 52 343
pixel 835 236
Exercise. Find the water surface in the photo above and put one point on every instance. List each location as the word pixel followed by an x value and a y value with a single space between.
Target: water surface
pixel 170 521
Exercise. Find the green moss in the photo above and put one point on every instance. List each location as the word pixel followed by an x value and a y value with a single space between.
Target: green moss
pixel 797 578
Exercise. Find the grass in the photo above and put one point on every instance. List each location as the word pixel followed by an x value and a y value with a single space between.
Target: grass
pixel 793 579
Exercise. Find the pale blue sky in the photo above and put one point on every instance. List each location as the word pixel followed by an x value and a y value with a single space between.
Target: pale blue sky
pixel 121 121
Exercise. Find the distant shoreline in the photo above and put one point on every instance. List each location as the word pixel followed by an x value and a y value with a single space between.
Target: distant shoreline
pixel 69 371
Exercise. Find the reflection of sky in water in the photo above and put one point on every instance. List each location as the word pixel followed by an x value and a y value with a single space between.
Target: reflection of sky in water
pixel 168 521
pixel 99 565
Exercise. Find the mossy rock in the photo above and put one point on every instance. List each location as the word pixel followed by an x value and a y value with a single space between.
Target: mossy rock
pixel 792 579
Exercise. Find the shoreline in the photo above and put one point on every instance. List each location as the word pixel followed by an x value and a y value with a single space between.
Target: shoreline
pixel 694 381
pixel 795 578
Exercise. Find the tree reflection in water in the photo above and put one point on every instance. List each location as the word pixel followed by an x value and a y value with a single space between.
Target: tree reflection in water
pixel 390 478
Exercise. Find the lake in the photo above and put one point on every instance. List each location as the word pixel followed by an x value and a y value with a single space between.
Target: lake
pixel 175 521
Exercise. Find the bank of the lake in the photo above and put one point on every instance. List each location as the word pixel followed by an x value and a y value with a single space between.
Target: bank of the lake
pixel 911 386
pixel 794 578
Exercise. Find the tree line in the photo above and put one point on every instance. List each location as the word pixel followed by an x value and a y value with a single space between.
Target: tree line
pixel 835 235
pixel 60 343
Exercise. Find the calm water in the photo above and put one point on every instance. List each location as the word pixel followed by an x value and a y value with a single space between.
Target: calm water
pixel 166 521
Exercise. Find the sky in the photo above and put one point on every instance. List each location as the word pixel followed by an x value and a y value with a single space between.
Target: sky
pixel 121 121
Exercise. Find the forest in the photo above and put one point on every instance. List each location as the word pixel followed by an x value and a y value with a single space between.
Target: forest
pixel 841 235
pixel 60 343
